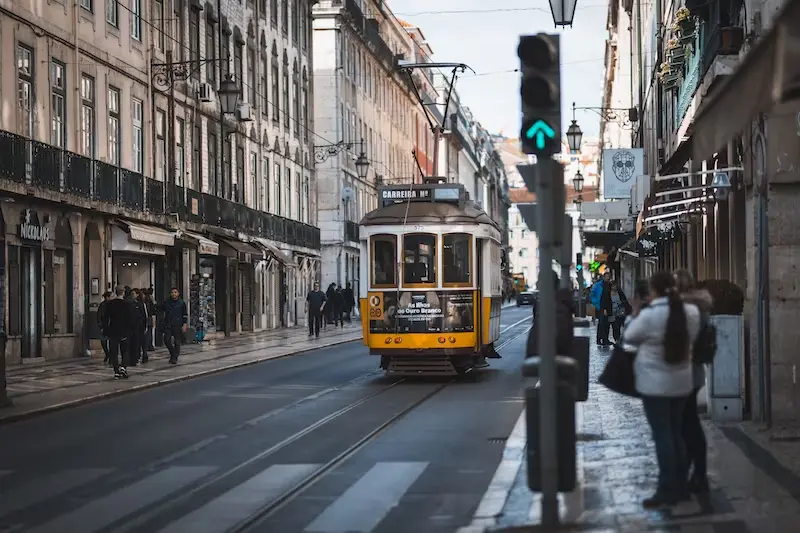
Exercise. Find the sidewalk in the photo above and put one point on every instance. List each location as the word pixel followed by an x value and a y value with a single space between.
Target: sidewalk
pixel 38 388
pixel 752 492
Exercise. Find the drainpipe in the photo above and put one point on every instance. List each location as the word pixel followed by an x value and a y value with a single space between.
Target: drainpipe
pixel 639 53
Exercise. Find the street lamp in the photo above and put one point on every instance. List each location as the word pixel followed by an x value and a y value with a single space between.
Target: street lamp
pixel 228 95
pixel 577 182
pixel 324 151
pixel 578 201
pixel 362 165
pixel 574 135
pixel 581 222
pixel 563 11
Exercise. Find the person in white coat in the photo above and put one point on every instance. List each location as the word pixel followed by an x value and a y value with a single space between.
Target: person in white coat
pixel 663 334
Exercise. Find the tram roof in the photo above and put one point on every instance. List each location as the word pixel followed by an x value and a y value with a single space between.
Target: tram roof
pixel 429 213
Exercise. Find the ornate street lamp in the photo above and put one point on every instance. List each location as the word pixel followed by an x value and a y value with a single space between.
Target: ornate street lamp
pixel 577 182
pixel 574 135
pixel 581 222
pixel 578 201
pixel 563 11
pixel 362 164
pixel 228 95
pixel 324 151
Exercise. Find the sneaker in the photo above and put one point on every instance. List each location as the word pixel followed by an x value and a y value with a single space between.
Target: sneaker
pixel 699 485
pixel 173 361
pixel 117 376
pixel 657 501
pixel 123 372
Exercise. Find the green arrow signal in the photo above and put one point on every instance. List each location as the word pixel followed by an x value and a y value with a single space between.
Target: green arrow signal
pixel 539 130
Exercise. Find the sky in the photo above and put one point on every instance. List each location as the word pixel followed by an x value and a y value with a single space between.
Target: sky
pixel 484 35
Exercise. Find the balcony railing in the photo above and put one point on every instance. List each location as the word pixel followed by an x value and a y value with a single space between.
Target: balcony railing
pixel 355 13
pixel 382 50
pixel 351 231
pixel 53 169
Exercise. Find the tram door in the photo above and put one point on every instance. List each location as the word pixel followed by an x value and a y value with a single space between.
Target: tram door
pixel 478 305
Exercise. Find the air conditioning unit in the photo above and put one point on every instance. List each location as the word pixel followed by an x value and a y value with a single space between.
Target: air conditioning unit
pixel 206 93
pixel 245 112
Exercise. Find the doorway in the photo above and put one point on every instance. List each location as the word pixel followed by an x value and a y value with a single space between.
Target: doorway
pixel 30 301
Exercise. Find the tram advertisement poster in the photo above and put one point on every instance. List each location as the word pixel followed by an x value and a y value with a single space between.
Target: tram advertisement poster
pixel 422 312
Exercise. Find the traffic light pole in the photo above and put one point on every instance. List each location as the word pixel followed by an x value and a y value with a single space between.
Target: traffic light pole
pixel 546 314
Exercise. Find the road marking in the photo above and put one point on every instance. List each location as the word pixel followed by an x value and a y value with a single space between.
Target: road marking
pixel 517 323
pixel 101 513
pixel 242 501
pixel 243 395
pixel 40 490
pixel 362 507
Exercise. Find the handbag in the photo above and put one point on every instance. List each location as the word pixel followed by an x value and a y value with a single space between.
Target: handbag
pixel 618 374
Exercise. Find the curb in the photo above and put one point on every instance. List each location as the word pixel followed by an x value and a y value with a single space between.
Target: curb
pixel 25 415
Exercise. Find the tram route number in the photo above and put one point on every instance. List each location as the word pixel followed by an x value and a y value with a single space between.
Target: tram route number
pixel 419 228
pixel 376 306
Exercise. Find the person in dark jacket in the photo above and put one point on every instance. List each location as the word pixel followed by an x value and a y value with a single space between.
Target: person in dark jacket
pixel 101 320
pixel 329 308
pixel 349 301
pixel 150 308
pixel 137 341
pixel 564 324
pixel 315 305
pixel 116 327
pixel 620 308
pixel 338 307
pixel 176 323
pixel 604 310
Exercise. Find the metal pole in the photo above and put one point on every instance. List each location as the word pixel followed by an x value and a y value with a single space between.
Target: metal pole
pixel 219 184
pixel 546 312
pixel 171 204
pixel 437 136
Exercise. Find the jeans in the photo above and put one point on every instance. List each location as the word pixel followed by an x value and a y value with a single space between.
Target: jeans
pixel 694 438
pixel 114 344
pixel 314 323
pixel 665 418
pixel 602 329
pixel 172 340
pixel 616 328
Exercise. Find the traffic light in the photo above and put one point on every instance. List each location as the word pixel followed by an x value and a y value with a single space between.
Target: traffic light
pixel 540 91
pixel 579 262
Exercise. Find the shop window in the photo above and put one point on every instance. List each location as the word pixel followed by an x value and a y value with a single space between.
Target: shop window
pixel 419 259
pixel 384 261
pixel 456 259
pixel 58 281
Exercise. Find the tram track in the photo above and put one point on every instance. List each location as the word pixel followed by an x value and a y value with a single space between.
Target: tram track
pixel 139 522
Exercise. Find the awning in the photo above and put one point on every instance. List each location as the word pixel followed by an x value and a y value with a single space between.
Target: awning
pixel 205 246
pixel 775 63
pixel 273 250
pixel 606 239
pixel 146 233
pixel 241 248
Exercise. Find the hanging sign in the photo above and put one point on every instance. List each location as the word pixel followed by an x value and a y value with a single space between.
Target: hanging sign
pixel 32 231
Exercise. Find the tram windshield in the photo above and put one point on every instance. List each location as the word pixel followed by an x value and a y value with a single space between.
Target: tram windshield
pixel 384 250
pixel 456 260
pixel 419 263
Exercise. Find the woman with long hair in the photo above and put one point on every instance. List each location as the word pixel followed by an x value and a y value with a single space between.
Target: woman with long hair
pixel 663 334
pixel 693 435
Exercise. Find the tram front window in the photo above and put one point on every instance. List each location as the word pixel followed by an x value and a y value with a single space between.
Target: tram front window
pixel 456 259
pixel 384 248
pixel 419 264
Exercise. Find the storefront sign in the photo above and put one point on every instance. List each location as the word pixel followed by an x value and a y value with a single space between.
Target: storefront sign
pixel 121 242
pixel 204 248
pixel 421 312
pixel 31 231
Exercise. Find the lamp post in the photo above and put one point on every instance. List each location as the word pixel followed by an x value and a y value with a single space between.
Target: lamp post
pixel 577 182
pixel 574 136
pixel 563 12
pixel 626 117
pixel 323 151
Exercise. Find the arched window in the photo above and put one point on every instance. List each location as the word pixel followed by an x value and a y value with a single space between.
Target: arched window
pixel 276 97
pixel 286 109
pixel 58 282
pixel 264 87
pixel 296 99
pixel 273 13
pixel 304 115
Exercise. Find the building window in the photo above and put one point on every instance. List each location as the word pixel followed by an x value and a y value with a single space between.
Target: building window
pixel 254 180
pixel 161 145
pixel 304 117
pixel 265 186
pixel 295 21
pixel 456 258
pixel 58 281
pixel 112 13
pixel 240 181
pixel 212 162
pixel 25 87
pixel 384 264
pixel 284 17
pixel 227 170
pixel 264 83
pixel 180 153
pixel 273 13
pixel 276 98
pixel 58 102
pixel 226 54
pixel 211 52
pixel 238 66
pixel 88 5
pixel 138 135
pixel 296 101
pixel 286 108
pixel 419 258
pixel 136 19
pixel 288 191
pixel 251 77
pixel 194 41
pixel 197 170
pixel 298 192
pixel 306 197
pixel 87 116
pixel 114 141
pixel 303 26
pixel 277 196
pixel 158 23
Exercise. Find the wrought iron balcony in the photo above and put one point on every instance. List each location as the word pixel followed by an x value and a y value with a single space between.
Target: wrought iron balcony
pixel 351 231
pixel 355 14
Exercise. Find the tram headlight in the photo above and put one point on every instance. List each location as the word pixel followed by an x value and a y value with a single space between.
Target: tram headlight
pixel 452 340
pixel 398 340
pixel 442 340
pixel 388 340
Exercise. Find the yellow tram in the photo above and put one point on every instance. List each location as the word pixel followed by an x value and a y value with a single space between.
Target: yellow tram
pixel 431 276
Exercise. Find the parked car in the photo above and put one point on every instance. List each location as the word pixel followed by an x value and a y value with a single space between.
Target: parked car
pixel 526 298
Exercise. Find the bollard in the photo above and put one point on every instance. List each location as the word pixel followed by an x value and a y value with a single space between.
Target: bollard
pixel 567 371
pixel 580 353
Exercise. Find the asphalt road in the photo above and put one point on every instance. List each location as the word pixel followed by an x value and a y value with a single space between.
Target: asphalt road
pixel 320 442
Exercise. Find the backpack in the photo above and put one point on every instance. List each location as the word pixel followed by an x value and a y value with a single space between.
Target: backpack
pixel 705 347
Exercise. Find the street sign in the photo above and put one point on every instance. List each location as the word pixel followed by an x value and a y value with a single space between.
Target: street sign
pixel 540 92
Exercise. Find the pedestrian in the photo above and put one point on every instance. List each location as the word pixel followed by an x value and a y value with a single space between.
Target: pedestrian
pixel 116 327
pixel 176 323
pixel 565 332
pixel 349 301
pixel 338 307
pixel 663 334
pixel 150 307
pixel 693 434
pixel 601 300
pixel 329 309
pixel 620 308
pixel 101 320
pixel 315 306
pixel 141 318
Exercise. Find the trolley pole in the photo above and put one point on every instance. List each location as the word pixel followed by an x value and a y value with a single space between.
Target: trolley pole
pixel 546 314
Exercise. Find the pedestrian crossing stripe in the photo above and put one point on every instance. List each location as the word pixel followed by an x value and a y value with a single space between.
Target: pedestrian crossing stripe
pixel 359 509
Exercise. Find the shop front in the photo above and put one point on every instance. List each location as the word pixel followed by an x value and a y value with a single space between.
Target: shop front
pixel 138 254
pixel 273 280
pixel 203 287
pixel 236 284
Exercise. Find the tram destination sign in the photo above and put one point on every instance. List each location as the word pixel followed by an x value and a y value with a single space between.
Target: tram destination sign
pixel 423 312
pixel 421 193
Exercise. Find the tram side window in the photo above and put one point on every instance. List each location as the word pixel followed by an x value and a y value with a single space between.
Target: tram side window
pixel 384 250
pixel 456 259
pixel 419 263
